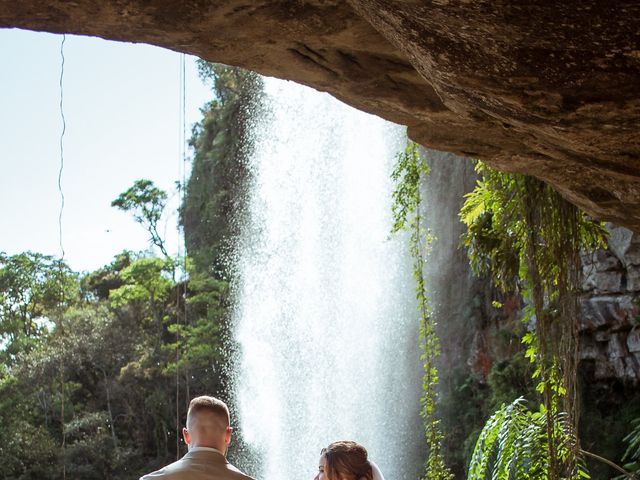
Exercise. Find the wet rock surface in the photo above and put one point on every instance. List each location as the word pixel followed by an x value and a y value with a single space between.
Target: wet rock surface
pixel 548 89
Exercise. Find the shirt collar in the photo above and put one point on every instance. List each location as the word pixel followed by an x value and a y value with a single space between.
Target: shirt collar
pixel 205 449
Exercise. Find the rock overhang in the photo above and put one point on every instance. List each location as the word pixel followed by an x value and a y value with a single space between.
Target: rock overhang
pixel 551 89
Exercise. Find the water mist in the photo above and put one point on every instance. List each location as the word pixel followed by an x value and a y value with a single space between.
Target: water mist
pixel 325 316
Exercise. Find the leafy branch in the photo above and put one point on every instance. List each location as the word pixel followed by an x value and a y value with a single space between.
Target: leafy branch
pixel 146 202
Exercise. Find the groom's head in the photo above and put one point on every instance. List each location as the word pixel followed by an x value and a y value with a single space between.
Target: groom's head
pixel 207 424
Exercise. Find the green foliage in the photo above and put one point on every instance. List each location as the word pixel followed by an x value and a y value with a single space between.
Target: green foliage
pixel 32 288
pixel 111 363
pixel 91 452
pixel 108 361
pixel 97 285
pixel 471 399
pixel 501 231
pixel 510 379
pixel 215 190
pixel 529 239
pixel 407 175
pixel 201 339
pixel 145 280
pixel 632 453
pixel 513 445
pixel 146 202
pixel 29 454
pixel 410 169
pixel 462 409
pixel 212 209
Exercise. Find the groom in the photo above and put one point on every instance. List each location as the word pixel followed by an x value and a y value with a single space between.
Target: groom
pixel 208 435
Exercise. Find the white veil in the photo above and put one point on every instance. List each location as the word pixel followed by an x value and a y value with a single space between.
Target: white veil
pixel 377 474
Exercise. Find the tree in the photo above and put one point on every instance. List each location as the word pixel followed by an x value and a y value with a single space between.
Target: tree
pixel 145 284
pixel 200 339
pixel 146 202
pixel 32 287
pixel 98 284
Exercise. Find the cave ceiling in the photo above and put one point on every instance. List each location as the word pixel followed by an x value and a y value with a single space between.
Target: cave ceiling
pixel 551 89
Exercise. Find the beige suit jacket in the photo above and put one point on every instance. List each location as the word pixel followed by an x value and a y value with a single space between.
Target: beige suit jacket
pixel 199 465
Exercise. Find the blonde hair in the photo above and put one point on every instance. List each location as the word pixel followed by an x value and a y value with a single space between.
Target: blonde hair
pixel 213 405
pixel 347 460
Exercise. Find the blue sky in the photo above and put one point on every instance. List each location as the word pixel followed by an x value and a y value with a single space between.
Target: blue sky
pixel 123 122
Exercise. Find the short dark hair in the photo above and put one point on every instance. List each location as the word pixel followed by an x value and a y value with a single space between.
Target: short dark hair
pixel 347 459
pixel 209 404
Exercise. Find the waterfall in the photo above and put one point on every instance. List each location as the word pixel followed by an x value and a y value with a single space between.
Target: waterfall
pixel 325 318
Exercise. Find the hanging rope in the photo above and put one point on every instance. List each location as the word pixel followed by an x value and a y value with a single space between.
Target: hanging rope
pixel 62 254
pixel 64 128
pixel 182 150
pixel 184 195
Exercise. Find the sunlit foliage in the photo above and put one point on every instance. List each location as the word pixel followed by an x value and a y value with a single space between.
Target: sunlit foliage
pixel 529 239
pixel 408 176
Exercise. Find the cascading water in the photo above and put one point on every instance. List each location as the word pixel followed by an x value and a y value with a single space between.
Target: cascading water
pixel 325 316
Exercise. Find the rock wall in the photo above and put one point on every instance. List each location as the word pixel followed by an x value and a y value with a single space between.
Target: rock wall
pixel 482 363
pixel 476 335
pixel 450 282
pixel 544 88
pixel 609 327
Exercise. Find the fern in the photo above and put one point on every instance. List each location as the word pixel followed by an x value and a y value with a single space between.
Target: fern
pixel 632 453
pixel 513 445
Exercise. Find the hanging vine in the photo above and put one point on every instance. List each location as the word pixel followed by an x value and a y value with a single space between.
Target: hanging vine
pixel 408 174
pixel 530 238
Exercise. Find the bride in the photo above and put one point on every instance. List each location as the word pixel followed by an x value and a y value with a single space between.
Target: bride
pixel 346 460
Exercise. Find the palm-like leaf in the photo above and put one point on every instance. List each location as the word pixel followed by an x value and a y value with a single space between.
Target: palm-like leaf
pixel 513 445
pixel 632 453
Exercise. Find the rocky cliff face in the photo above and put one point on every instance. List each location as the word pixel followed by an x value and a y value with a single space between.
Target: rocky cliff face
pixel 609 327
pixel 475 334
pixel 609 323
pixel 546 88
pixel 482 363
